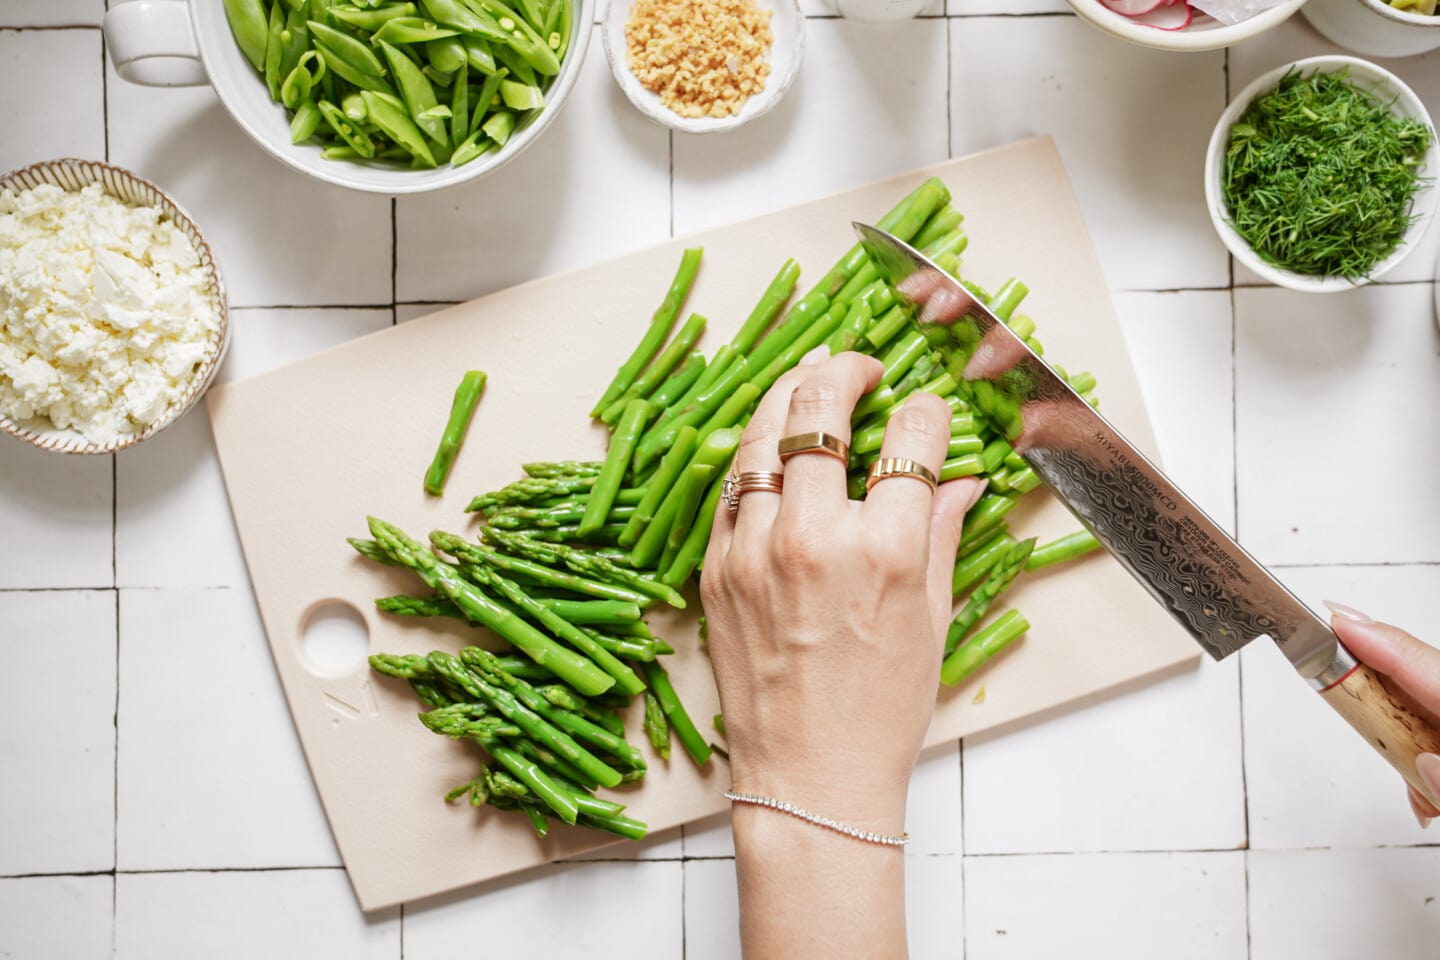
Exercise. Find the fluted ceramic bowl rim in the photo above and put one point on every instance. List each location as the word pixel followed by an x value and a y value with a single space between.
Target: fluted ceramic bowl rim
pixel 73 175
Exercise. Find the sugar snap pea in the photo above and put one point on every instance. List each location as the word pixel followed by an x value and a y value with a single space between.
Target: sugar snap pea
pixel 479 55
pixel 416 91
pixel 446 54
pixel 357 139
pixel 274 48
pixel 460 106
pixel 389 115
pixel 411 30
pixel 305 121
pixel 250 26
pixel 372 19
pixel 354 53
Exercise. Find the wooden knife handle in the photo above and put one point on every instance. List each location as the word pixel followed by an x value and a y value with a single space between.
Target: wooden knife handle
pixel 1389 718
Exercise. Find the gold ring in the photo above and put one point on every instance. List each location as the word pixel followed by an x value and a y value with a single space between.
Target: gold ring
pixel 736 485
pixel 817 442
pixel 887 467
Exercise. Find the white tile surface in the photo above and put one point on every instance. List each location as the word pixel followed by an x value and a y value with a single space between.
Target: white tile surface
pixel 1295 39
pixel 464 242
pixel 57 731
pixel 1181 347
pixel 57 516
pixel 1157 768
pixel 963 8
pixel 58 111
pixel 1180 906
pixel 1311 371
pixel 881 85
pixel 173 482
pixel 1339 904
pixel 51 13
pixel 1311 780
pixel 240 916
pixel 573 910
pixel 221 739
pixel 935 907
pixel 56 918
pixel 280 238
pixel 712 910
pixel 1136 171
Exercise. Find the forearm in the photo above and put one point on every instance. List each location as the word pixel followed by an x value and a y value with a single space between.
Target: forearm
pixel 810 892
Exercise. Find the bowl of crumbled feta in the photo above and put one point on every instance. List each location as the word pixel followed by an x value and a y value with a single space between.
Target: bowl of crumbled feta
pixel 113 318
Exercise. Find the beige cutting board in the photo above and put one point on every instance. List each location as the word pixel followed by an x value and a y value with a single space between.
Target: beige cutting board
pixel 310 449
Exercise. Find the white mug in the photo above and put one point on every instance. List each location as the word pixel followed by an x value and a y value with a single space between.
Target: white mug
pixel 180 43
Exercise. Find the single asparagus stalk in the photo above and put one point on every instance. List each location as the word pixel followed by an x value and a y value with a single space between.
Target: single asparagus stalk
pixel 671 465
pixel 679 382
pixel 765 312
pixel 1007 298
pixel 847 336
pixel 538 728
pixel 675 714
pixel 607 484
pixel 621 826
pixel 659 438
pixel 1000 576
pixel 805 312
pixel 566 664
pixel 972 567
pixel 553 469
pixel 646 383
pixel 724 358
pixel 560 517
pixel 656 727
pixel 887 326
pixel 692 487
pixel 371 550
pixel 432 694
pixel 538 821
pixel 1066 548
pixel 943 221
pixel 476 789
pixel 963 445
pixel 570 721
pixel 406 606
pixel 607 612
pixel 585 564
pixel 968 465
pixel 525 669
pixel 808 339
pixel 562 697
pixel 734 410
pixel 626 648
pixel 625 678
pixel 975 652
pixel 528 772
pixel 546 576
pixel 658 330
pixel 608 534
pixel 984 515
pixel 692 551
pixel 902 356
pixel 467 396
pixel 531 489
pixel 561 770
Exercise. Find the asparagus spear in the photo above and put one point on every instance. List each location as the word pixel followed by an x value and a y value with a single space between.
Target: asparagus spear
pixel 607 612
pixel 531 489
pixel 580 673
pixel 975 652
pixel 675 714
pixel 659 485
pixel 553 469
pixel 973 566
pixel 406 606
pixel 768 308
pixel 525 770
pixel 715 452
pixel 1066 548
pixel 547 576
pixel 646 383
pixel 659 328
pixel 656 727
pixel 692 551
pixel 607 484
pixel 1000 576
pixel 585 564
pixel 467 396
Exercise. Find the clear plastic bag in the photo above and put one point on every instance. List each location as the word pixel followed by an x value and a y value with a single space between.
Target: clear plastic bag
pixel 1233 11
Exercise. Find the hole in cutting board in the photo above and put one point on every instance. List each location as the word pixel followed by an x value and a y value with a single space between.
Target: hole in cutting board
pixel 334 638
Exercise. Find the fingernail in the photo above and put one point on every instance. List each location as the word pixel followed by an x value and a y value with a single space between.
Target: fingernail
pixel 1415 808
pixel 1428 764
pixel 975 495
pixel 1347 612
pixel 819 355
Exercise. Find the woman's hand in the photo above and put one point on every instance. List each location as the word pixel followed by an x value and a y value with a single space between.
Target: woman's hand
pixel 1411 664
pixel 826 621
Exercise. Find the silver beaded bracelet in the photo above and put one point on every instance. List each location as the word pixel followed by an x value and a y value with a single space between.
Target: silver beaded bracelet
pixel 799 812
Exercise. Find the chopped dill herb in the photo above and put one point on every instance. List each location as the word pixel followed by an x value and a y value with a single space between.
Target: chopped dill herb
pixel 1319 176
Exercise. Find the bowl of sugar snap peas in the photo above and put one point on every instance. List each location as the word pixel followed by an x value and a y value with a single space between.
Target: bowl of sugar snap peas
pixel 383 96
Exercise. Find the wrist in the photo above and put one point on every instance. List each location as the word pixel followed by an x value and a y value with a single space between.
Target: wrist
pixel 873 805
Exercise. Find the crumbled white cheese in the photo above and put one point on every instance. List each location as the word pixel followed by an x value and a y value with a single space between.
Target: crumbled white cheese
pixel 105 311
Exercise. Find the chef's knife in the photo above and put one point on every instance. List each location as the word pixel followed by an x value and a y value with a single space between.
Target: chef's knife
pixel 1219 593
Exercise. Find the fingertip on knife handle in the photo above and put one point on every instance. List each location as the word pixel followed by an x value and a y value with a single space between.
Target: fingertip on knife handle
pixel 1397 726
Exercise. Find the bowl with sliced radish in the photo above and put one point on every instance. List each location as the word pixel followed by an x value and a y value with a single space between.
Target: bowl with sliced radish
pixel 1185 24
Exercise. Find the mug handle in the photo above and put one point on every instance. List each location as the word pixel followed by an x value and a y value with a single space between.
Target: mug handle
pixel 152 43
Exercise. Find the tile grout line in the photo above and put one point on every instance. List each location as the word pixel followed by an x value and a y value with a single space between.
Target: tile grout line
pixel 684 916
pixel 114 576
pixel 402 931
pixel 670 141
pixel 394 261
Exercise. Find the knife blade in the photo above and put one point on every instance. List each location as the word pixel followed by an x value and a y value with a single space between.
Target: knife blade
pixel 1213 587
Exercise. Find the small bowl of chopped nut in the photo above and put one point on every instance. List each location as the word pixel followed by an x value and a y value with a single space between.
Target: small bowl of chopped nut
pixel 703 66
pixel 113 319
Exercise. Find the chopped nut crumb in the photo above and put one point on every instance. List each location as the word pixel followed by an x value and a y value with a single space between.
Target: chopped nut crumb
pixel 704 58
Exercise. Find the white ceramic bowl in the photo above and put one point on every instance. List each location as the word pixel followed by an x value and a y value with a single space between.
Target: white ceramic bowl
pixel 1373 27
pixel 1205 35
pixel 175 43
pixel 74 175
pixel 787 48
pixel 1385 86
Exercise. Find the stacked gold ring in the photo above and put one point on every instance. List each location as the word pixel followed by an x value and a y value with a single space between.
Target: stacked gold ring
pixel 817 442
pixel 887 467
pixel 736 485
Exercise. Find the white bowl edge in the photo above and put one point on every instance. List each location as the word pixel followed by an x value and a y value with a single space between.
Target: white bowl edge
pixel 1189 39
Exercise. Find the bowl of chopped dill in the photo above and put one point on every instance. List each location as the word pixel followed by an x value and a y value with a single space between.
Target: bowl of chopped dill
pixel 1319 175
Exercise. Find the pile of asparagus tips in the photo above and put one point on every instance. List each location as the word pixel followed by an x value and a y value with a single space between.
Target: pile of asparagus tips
pixel 571 555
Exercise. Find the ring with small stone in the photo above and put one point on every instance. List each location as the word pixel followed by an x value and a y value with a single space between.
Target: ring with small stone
pixel 736 485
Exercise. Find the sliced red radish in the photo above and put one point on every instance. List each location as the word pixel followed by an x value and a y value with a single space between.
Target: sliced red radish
pixel 1132 8
pixel 1167 17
